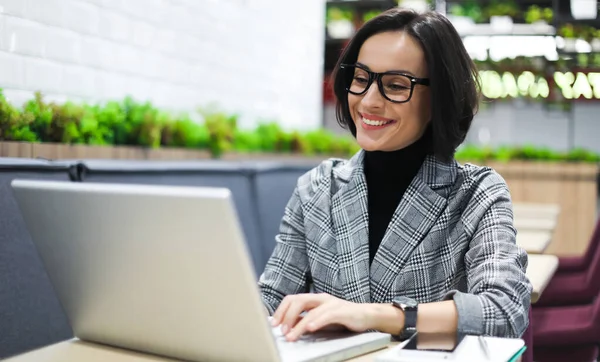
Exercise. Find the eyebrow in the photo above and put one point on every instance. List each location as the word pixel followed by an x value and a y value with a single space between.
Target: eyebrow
pixel 394 70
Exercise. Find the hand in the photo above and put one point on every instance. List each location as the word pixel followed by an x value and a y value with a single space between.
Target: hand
pixel 323 310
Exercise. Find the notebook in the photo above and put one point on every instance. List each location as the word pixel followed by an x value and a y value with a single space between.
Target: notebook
pixel 470 349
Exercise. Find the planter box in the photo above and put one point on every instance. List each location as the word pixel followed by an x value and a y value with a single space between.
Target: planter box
pixel 57 151
pixel 572 186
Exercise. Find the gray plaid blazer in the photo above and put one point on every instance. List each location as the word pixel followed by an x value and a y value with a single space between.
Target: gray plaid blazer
pixel 451 237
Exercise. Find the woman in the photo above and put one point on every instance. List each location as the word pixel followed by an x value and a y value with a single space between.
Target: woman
pixel 401 238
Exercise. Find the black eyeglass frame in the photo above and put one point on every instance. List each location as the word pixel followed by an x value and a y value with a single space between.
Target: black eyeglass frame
pixel 378 76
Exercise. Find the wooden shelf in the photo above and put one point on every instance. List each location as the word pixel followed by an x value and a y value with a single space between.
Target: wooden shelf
pixel 517 30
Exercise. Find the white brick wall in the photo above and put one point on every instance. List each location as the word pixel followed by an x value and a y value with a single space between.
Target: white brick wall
pixel 260 58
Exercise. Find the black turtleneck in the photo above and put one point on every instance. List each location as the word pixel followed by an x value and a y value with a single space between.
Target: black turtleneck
pixel 388 175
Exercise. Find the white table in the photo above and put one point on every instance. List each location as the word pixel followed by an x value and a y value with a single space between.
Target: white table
pixel 533 210
pixel 534 241
pixel 533 224
pixel 540 270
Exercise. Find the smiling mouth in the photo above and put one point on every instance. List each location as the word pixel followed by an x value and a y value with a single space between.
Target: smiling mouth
pixel 375 122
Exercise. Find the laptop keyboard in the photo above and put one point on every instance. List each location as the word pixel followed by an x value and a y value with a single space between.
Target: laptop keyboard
pixel 338 345
pixel 302 341
pixel 310 346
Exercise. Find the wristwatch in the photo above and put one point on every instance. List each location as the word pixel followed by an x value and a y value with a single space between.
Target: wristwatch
pixel 409 307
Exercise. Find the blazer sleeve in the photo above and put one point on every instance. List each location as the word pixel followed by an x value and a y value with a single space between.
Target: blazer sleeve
pixel 499 292
pixel 286 271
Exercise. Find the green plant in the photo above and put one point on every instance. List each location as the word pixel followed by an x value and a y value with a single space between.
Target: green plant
pixel 246 141
pixel 471 153
pixel 15 125
pixel 370 15
pixel 571 31
pixel 66 119
pixel 588 33
pixel 580 154
pixel 567 31
pixel 336 13
pixel 41 119
pixel 270 137
pixel 185 133
pixel 535 13
pixel 469 8
pixel 221 129
pixel 110 118
pixel 142 125
pixel 502 8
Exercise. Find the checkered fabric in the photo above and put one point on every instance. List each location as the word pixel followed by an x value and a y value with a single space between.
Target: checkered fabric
pixel 451 237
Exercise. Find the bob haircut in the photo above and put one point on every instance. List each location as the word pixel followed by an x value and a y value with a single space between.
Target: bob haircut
pixel 454 81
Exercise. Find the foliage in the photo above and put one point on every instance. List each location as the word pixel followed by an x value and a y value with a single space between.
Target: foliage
pixel 336 13
pixel 133 123
pixel 468 8
pixel 535 13
pixel 370 15
pixel 582 31
pixel 502 8
pixel 15 125
pixel 129 122
pixel 524 153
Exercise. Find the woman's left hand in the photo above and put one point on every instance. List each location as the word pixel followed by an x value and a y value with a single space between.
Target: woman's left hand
pixel 323 310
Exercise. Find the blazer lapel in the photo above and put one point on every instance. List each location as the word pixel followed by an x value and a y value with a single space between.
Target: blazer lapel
pixel 419 209
pixel 350 217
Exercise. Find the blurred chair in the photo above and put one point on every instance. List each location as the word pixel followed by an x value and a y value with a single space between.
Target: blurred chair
pixel 566 333
pixel 577 280
pixel 30 314
pixel 581 263
pixel 528 338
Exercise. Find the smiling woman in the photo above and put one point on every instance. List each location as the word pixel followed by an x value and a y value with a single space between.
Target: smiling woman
pixel 401 237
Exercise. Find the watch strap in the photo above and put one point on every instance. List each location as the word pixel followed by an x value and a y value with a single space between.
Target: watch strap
pixel 409 308
pixel 410 323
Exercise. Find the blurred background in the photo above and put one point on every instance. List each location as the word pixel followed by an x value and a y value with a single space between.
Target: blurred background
pixel 236 94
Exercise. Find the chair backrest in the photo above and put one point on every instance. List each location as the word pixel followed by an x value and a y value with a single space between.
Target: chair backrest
pixel 528 338
pixel 274 184
pixel 30 314
pixel 596 316
pixel 593 249
pixel 592 273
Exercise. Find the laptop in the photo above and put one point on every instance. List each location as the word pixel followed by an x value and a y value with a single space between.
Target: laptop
pixel 162 270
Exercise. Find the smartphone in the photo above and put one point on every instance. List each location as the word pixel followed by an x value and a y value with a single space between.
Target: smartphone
pixel 431 346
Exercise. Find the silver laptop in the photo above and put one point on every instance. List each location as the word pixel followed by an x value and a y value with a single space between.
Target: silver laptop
pixel 162 270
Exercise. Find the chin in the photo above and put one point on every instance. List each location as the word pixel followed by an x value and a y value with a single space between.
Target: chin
pixel 369 145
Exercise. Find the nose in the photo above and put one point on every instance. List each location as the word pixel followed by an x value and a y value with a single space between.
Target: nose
pixel 373 97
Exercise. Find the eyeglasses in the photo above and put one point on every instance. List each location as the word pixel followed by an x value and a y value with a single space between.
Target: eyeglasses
pixel 395 86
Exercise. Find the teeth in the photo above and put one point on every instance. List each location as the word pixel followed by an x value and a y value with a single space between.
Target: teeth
pixel 371 122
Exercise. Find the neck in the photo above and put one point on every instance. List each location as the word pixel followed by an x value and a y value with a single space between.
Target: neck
pixel 402 163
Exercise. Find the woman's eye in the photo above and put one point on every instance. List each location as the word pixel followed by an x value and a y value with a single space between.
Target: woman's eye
pixel 397 87
pixel 360 79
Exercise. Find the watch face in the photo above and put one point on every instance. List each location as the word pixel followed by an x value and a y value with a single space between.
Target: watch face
pixel 405 302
